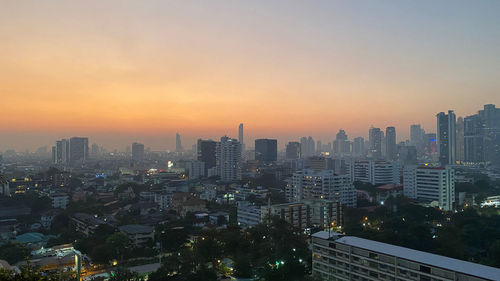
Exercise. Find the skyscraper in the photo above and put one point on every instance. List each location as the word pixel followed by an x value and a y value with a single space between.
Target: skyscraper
pixel 307 147
pixel 78 150
pixel 341 145
pixel 266 150
pixel 460 154
pixel 178 144
pixel 358 147
pixel 137 151
pixel 206 150
pixel 375 139
pixel 240 138
pixel 228 159
pixel 390 143
pixel 446 137
pixel 292 150
pixel 60 152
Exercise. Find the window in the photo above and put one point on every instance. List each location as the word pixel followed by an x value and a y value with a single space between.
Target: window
pixel 425 269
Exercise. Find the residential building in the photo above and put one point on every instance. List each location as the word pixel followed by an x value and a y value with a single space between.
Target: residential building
pixel 138 234
pixel 358 147
pixel 195 169
pixel 374 172
pixel 308 184
pixel 292 150
pixel 78 150
pixel 430 185
pixel 228 153
pixel 248 215
pixel 59 200
pixel 446 138
pixel 375 139
pixel 339 257
pixel 390 143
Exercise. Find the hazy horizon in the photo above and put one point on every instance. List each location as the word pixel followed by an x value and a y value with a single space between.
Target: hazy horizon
pixel 124 71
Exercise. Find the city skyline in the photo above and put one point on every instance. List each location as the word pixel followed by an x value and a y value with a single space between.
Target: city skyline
pixel 285 71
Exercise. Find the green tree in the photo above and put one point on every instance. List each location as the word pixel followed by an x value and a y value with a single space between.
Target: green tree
pixel 13 252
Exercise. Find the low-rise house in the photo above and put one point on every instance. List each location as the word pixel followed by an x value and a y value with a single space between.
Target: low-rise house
pixel 138 234
pixel 85 223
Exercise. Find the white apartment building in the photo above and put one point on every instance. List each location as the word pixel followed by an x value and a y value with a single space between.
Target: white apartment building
pixel 374 172
pixel 248 215
pixel 59 200
pixel 338 257
pixel 308 184
pixel 228 159
pixel 430 184
pixel 195 169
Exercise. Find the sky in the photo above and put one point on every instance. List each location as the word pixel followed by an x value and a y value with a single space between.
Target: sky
pixel 124 71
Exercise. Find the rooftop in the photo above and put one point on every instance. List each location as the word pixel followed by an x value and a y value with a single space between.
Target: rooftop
pixel 464 267
pixel 136 228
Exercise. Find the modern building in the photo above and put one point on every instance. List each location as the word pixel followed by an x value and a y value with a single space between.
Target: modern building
pixel 308 184
pixel 341 145
pixel 374 172
pixel 460 152
pixel 137 152
pixel 390 143
pixel 417 138
pixel 339 257
pixel 241 138
pixel 78 150
pixel 60 152
pixel 358 147
pixel 446 138
pixel 195 169
pixel 207 153
pixel 59 200
pixel 307 147
pixel 228 159
pixel 430 184
pixel 292 150
pixel 318 213
pixel 178 143
pixel 375 140
pixel 248 215
pixel 266 150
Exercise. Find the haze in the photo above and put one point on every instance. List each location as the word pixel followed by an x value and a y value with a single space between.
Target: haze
pixel 123 71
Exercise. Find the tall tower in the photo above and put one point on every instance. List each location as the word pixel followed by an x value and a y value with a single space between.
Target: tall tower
pixel 375 139
pixel 240 137
pixel 228 158
pixel 178 144
pixel 390 143
pixel 446 137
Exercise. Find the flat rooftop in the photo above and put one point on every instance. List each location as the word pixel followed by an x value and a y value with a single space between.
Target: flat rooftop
pixel 464 267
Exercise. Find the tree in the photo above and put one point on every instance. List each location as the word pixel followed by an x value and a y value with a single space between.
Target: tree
pixel 13 252
pixel 123 274
pixel 117 244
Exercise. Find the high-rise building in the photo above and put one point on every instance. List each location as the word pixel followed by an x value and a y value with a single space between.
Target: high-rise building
pixel 178 144
pixel 374 172
pixel 60 152
pixel 266 150
pixel 95 151
pixel 292 150
pixel 390 143
pixel 417 138
pixel 78 150
pixel 307 147
pixel 473 140
pixel 375 139
pixel 137 151
pixel 446 137
pixel 407 154
pixel 308 184
pixel 228 159
pixel 358 147
pixel 207 153
pixel 341 145
pixel 460 153
pixel 430 184
pixel 339 257
pixel 240 138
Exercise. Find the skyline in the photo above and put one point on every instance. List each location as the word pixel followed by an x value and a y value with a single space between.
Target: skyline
pixel 147 71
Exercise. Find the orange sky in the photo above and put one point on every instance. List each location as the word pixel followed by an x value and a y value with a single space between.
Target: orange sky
pixel 145 71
